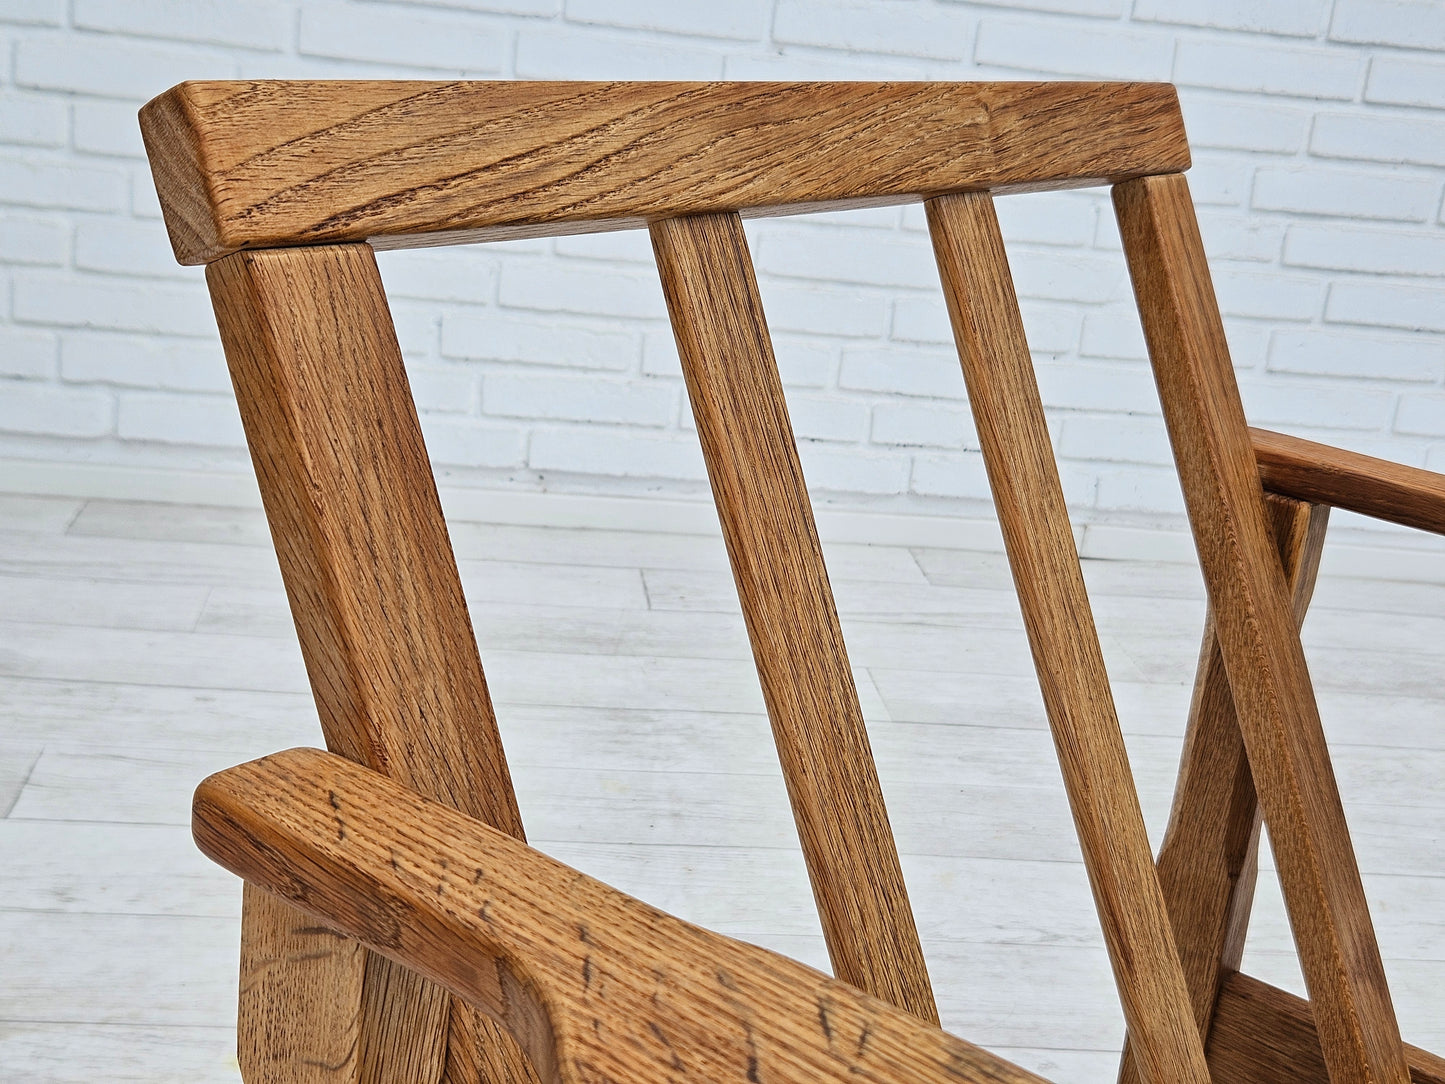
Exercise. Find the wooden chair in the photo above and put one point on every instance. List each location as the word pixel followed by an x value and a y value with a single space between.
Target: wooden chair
pixel 396 926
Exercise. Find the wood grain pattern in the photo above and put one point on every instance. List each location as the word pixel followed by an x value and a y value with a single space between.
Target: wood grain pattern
pixel 777 562
pixel 1361 483
pixel 1256 630
pixel 1265 1035
pixel 301 996
pixel 374 593
pixel 595 985
pixel 1209 858
pixel 262 164
pixel 1024 478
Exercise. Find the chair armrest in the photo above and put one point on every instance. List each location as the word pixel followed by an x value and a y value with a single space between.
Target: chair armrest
pixel 1320 474
pixel 594 985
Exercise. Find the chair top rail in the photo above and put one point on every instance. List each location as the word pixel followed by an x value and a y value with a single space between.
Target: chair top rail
pixel 269 163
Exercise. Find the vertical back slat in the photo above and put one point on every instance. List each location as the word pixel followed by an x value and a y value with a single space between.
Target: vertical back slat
pixel 1208 861
pixel 767 522
pixel 384 632
pixel 1258 639
pixel 1024 478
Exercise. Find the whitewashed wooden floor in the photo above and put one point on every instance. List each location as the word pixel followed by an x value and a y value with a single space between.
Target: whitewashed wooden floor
pixel 143 646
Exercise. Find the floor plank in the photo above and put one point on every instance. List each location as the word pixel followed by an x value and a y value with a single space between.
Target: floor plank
pixel 151 970
pixel 150 521
pixel 70 1053
pixel 127 715
pixel 93 868
pixel 47 600
pixel 17 760
pixel 45 515
pixel 132 561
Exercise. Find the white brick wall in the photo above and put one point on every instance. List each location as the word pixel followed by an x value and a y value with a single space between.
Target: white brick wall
pixel 1319 128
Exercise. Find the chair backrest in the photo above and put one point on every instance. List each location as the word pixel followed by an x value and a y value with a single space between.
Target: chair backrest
pixel 284 188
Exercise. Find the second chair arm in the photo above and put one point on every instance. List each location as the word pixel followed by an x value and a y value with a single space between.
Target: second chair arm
pixel 594 984
pixel 1321 474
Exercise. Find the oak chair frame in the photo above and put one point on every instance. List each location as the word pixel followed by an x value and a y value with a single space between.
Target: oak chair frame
pixel 467 955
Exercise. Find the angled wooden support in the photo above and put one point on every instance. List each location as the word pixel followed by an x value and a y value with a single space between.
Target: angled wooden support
pixel 388 647
pixel 1257 633
pixel 1024 478
pixel 1209 859
pixel 1265 1035
pixel 777 562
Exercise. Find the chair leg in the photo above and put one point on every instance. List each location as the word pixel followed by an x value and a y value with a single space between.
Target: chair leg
pixel 1208 861
pixel 301 991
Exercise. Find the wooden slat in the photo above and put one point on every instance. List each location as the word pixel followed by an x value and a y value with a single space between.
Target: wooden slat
pixel 1022 473
pixel 379 612
pixel 777 562
pixel 262 164
pixel 1360 483
pixel 1208 861
pixel 1265 1035
pixel 596 985
pixel 1257 635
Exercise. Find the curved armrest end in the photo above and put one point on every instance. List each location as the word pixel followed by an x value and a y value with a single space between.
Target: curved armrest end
pixel 593 983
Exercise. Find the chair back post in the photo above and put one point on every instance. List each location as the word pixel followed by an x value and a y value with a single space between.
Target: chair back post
pixel 387 642
pixel 1258 634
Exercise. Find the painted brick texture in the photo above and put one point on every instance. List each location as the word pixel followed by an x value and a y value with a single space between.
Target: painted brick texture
pixel 1319 129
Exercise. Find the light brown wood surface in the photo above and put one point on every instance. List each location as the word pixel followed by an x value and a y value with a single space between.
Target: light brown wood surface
pixel 595 985
pixel 262 164
pixel 777 562
pixel 301 995
pixel 1361 483
pixel 1258 638
pixel 383 628
pixel 1209 858
pixel 1263 1035
pixel 1009 416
